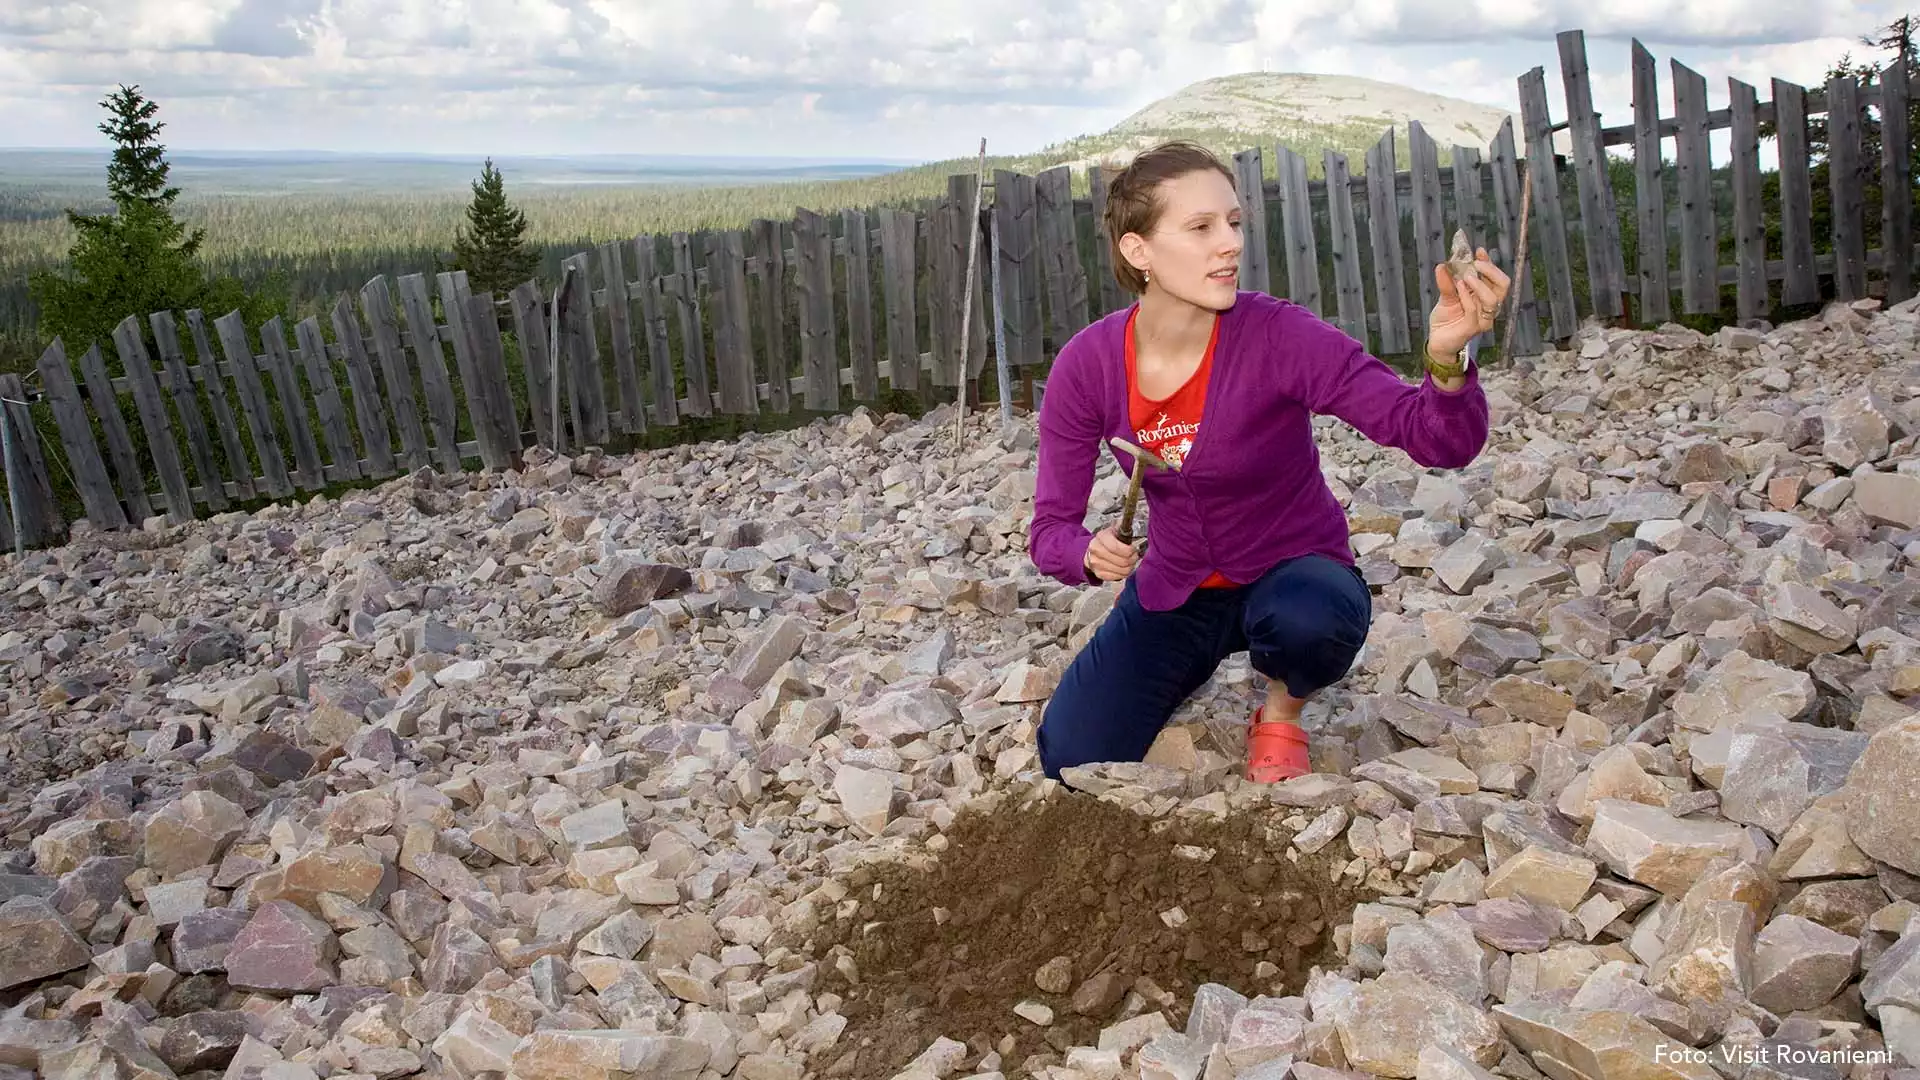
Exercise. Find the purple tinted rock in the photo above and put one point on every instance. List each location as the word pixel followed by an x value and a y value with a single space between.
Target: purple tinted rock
pixel 282 950
pixel 202 938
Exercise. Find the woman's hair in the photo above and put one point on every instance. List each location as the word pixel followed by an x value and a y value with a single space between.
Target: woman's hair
pixel 1133 199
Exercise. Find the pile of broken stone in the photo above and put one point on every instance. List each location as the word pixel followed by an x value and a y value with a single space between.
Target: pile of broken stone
pixel 535 775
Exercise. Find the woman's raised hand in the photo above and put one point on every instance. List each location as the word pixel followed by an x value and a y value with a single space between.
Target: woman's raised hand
pixel 1466 307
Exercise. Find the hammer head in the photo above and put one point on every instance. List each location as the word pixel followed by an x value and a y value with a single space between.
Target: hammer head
pixel 1143 456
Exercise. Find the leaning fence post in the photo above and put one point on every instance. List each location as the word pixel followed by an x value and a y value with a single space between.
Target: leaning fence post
pixel 13 482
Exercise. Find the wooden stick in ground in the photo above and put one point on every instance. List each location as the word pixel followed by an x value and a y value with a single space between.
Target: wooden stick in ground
pixel 966 301
pixel 1519 266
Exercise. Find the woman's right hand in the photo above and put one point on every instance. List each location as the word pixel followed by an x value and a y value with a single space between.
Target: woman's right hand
pixel 1110 559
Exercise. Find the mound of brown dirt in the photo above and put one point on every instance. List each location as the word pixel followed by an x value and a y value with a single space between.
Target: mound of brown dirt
pixel 1132 903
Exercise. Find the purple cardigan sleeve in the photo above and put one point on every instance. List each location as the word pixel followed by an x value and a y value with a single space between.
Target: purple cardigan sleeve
pixel 1336 376
pixel 1069 426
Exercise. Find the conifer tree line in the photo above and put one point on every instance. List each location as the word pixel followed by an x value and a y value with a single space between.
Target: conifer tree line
pixel 138 258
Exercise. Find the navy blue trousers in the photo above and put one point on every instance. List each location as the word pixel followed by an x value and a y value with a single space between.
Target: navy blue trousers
pixel 1302 624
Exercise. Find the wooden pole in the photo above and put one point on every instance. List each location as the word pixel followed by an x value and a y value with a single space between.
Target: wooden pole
pixel 1519 267
pixel 966 303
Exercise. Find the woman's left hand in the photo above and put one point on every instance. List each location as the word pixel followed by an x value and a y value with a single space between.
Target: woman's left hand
pixel 1466 308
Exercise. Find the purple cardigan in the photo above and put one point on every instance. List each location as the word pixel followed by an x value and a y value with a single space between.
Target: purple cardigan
pixel 1250 493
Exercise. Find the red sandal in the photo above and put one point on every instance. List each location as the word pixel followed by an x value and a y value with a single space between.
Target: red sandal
pixel 1276 750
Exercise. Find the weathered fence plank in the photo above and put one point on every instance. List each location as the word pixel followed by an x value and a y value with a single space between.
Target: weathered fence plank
pixel 1468 211
pixel 943 334
pixel 1699 248
pixel 311 472
pixel 127 473
pixel 1469 208
pixel 369 411
pixel 312 347
pixel 40 521
pixel 898 231
pixel 1844 180
pixel 1749 231
pixel 1896 175
pixel 376 304
pixel 431 361
pixel 584 380
pixel 232 333
pixel 207 373
pixel 1014 204
pixel 686 301
pixel 76 436
pixel 493 398
pixel 1599 228
pixel 769 249
pixel 1649 191
pixel 813 258
pixel 573 290
pixel 619 305
pixel 132 347
pixel 492 368
pixel 1389 265
pixel 186 402
pixel 1060 255
pixel 1111 297
pixel 663 386
pixel 466 354
pixel 1802 283
pixel 961 188
pixel 1350 295
pixel 1247 171
pixel 1543 174
pixel 732 330
pixel 1507 193
pixel 1429 235
pixel 859 273
pixel 1297 241
pixel 536 362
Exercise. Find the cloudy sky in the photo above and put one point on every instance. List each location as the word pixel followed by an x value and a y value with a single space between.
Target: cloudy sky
pixel 912 79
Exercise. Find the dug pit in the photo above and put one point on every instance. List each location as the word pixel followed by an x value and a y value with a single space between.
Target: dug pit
pixel 1072 903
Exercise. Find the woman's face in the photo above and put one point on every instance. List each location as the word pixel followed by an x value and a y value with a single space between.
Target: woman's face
pixel 1193 253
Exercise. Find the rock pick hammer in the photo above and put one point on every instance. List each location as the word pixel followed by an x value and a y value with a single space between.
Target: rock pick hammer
pixel 1141 457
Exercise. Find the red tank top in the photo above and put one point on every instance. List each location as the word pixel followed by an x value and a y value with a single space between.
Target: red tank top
pixel 1166 427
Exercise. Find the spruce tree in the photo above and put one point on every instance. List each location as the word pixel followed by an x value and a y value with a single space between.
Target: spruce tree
pixel 138 258
pixel 491 246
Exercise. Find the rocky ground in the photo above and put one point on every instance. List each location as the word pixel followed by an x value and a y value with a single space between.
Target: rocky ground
pixel 718 761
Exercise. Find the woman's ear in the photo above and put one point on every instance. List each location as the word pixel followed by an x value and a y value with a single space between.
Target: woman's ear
pixel 1135 249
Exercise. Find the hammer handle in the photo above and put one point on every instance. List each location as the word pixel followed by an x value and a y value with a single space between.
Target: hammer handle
pixel 1125 531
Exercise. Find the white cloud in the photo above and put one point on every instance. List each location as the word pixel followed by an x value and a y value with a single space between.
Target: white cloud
pixel 845 77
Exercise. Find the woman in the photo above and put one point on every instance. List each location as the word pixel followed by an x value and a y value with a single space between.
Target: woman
pixel 1248 549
